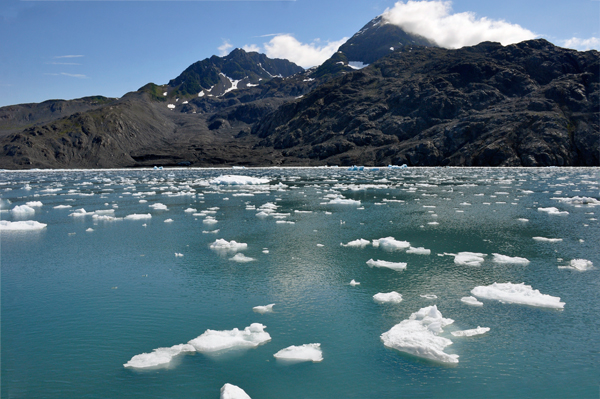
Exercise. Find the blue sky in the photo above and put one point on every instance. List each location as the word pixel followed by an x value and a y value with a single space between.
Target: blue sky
pixel 71 49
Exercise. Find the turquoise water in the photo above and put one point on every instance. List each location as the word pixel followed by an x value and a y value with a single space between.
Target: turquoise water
pixel 78 304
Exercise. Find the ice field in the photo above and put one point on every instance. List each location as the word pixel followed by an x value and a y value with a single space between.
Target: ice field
pixel 300 283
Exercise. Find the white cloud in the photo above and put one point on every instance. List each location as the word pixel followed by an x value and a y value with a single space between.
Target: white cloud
pixel 251 47
pixel 435 20
pixel 305 55
pixel 224 48
pixel 68 56
pixel 582 44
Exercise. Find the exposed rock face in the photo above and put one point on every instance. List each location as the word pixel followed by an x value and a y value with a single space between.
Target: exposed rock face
pixel 528 104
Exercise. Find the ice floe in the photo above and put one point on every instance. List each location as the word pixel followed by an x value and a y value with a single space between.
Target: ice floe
pixel 354 283
pixel 386 264
pixel 390 244
pixel 22 210
pixel 471 332
pixel 302 353
pixel 25 225
pixel 241 258
pixel 138 216
pixel 428 296
pixel 34 204
pixel 62 207
pixel 471 300
pixel 230 391
pixel 418 336
pixel 509 259
pixel 544 239
pixel 214 341
pixel 263 309
pixel 579 265
pixel 228 246
pixel 553 211
pixel 158 357
pixel 387 297
pixel 158 206
pixel 418 251
pixel 235 180
pixel 360 243
pixel 589 201
pixel 468 258
pixel 518 294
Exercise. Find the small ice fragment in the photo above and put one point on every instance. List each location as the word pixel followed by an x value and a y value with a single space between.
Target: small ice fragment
pixel 469 258
pixel 241 258
pixel 34 204
pixel 158 357
pixel 89 230
pixel 190 210
pixel 390 244
pixel 230 246
pixel 553 211
pixel 354 283
pixel 230 391
pixel 418 336
pixel 508 259
pixel 544 239
pixel 579 265
pixel 214 341
pixel 158 206
pixel 168 220
pixel 27 225
pixel 177 254
pixel 302 353
pixel 62 206
pixel 263 309
pixel 265 251
pixel 472 332
pixel 386 264
pixel 428 296
pixel 517 293
pixel 138 216
pixel 388 297
pixel 211 231
pixel 418 251
pixel 360 243
pixel 320 245
pixel 471 300
pixel 210 220
pixel 523 220
pixel 234 180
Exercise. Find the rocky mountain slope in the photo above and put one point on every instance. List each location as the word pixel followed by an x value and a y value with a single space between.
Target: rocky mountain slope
pixel 529 104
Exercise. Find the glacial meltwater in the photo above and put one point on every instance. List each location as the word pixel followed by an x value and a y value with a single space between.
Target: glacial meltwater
pixel 301 283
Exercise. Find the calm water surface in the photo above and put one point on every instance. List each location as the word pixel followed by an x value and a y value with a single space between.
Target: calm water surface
pixel 78 303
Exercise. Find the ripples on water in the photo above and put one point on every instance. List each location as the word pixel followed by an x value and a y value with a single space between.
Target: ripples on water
pixel 78 304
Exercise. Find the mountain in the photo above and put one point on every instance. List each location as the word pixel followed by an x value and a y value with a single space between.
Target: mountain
pixel 528 104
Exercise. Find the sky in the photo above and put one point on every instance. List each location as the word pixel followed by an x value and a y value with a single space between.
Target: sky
pixel 65 49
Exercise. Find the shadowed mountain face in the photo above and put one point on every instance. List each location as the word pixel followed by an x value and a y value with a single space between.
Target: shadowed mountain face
pixel 529 104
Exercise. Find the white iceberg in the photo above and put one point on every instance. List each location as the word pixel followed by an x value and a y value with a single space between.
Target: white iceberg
pixel 388 297
pixel 214 341
pixel 263 309
pixel 22 210
pixel 235 180
pixel 428 296
pixel 343 201
pixel 138 216
pixel 390 244
pixel 418 251
pixel 62 206
pixel 471 300
pixel 518 294
pixel 228 246
pixel 25 225
pixel 158 357
pixel 544 239
pixel 158 206
pixel 230 391
pixel 579 264
pixel 468 258
pixel 360 243
pixel 418 336
pixel 34 204
pixel 241 258
pixel 472 332
pixel 386 264
pixel 509 259
pixel 354 283
pixel 553 211
pixel 303 353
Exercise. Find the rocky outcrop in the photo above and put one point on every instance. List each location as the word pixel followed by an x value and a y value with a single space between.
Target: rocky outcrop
pixel 528 104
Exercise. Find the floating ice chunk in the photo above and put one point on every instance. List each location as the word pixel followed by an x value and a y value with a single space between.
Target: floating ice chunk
pixel 177 254
pixel 62 206
pixel 468 258
pixel 211 231
pixel 418 251
pixel 471 300
pixel 285 222
pixel 343 201
pixel 472 332
pixel 210 220
pixel 390 244
pixel 138 216
pixel 158 206
pixel 386 264
pixel 589 201
pixel 241 258
pixel 418 336
pixel 235 180
pixel 214 341
pixel 22 210
pixel 388 297
pixel 158 357
pixel 523 220
pixel 89 230
pixel 428 296
pixel 228 246
pixel 303 353
pixel 105 218
pixel 190 210
pixel 519 294
pixel 168 220
pixel 230 391
pixel 263 309
pixel 354 283
pixel 509 259
pixel 320 245
pixel 553 211
pixel 360 243
pixel 80 212
pixel 34 204
pixel 544 239
pixel 433 223
pixel 26 225
pixel 579 265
